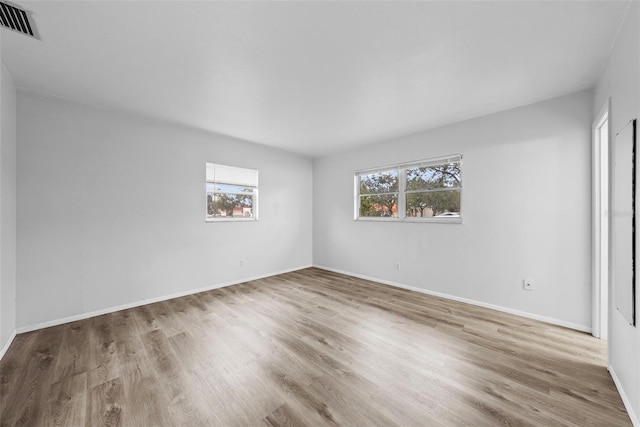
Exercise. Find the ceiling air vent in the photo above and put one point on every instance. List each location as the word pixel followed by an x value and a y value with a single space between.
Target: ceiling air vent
pixel 16 19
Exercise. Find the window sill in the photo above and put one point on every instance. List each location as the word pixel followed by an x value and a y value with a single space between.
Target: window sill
pixel 231 219
pixel 414 220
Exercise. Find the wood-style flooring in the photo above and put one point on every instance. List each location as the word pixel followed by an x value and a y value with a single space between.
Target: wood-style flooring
pixel 308 348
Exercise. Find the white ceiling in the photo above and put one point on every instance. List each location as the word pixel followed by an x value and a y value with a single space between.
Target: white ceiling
pixel 312 77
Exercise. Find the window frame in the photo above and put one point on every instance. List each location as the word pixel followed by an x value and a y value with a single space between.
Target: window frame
pixel 401 169
pixel 231 182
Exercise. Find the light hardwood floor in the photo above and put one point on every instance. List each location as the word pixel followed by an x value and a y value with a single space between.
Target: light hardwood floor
pixel 308 348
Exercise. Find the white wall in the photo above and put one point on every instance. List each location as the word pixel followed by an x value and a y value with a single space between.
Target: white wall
pixel 7 207
pixel 112 210
pixel 526 207
pixel 621 81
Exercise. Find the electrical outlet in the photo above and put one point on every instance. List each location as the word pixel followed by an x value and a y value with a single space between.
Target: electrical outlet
pixel 527 284
pixel 398 266
pixel 242 263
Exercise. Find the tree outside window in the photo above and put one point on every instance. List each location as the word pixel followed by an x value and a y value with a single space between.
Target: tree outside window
pixel 232 193
pixel 429 189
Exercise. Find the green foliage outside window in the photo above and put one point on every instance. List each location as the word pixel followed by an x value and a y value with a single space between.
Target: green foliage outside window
pixel 379 194
pixel 423 199
pixel 429 191
pixel 229 201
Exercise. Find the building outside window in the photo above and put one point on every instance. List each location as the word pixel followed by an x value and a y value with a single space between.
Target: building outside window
pixel 232 193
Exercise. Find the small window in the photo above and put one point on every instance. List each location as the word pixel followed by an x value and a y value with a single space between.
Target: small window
pixel 428 190
pixel 232 193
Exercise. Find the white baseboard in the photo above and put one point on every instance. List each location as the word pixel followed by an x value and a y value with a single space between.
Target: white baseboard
pixel 533 316
pixel 108 310
pixel 627 403
pixel 6 346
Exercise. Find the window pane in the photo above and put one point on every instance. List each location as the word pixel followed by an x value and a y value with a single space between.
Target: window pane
pixel 382 182
pixel 221 205
pixel 433 177
pixel 215 187
pixel 383 205
pixel 439 204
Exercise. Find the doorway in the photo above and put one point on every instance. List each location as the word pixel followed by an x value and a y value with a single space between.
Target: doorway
pixel 600 227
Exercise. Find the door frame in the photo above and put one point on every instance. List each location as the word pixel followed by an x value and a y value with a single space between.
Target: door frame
pixel 601 255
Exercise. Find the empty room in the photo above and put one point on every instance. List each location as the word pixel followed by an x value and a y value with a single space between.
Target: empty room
pixel 331 213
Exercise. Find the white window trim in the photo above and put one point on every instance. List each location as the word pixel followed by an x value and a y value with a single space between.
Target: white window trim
pixel 241 183
pixel 402 211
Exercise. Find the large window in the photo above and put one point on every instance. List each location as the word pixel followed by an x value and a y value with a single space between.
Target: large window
pixel 232 193
pixel 428 190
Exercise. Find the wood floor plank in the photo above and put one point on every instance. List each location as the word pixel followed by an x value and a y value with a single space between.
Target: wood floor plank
pixel 27 399
pixel 103 359
pixel 67 402
pixel 104 404
pixel 13 374
pixel 73 356
pixel 284 416
pixel 142 404
pixel 308 348
pixel 172 387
